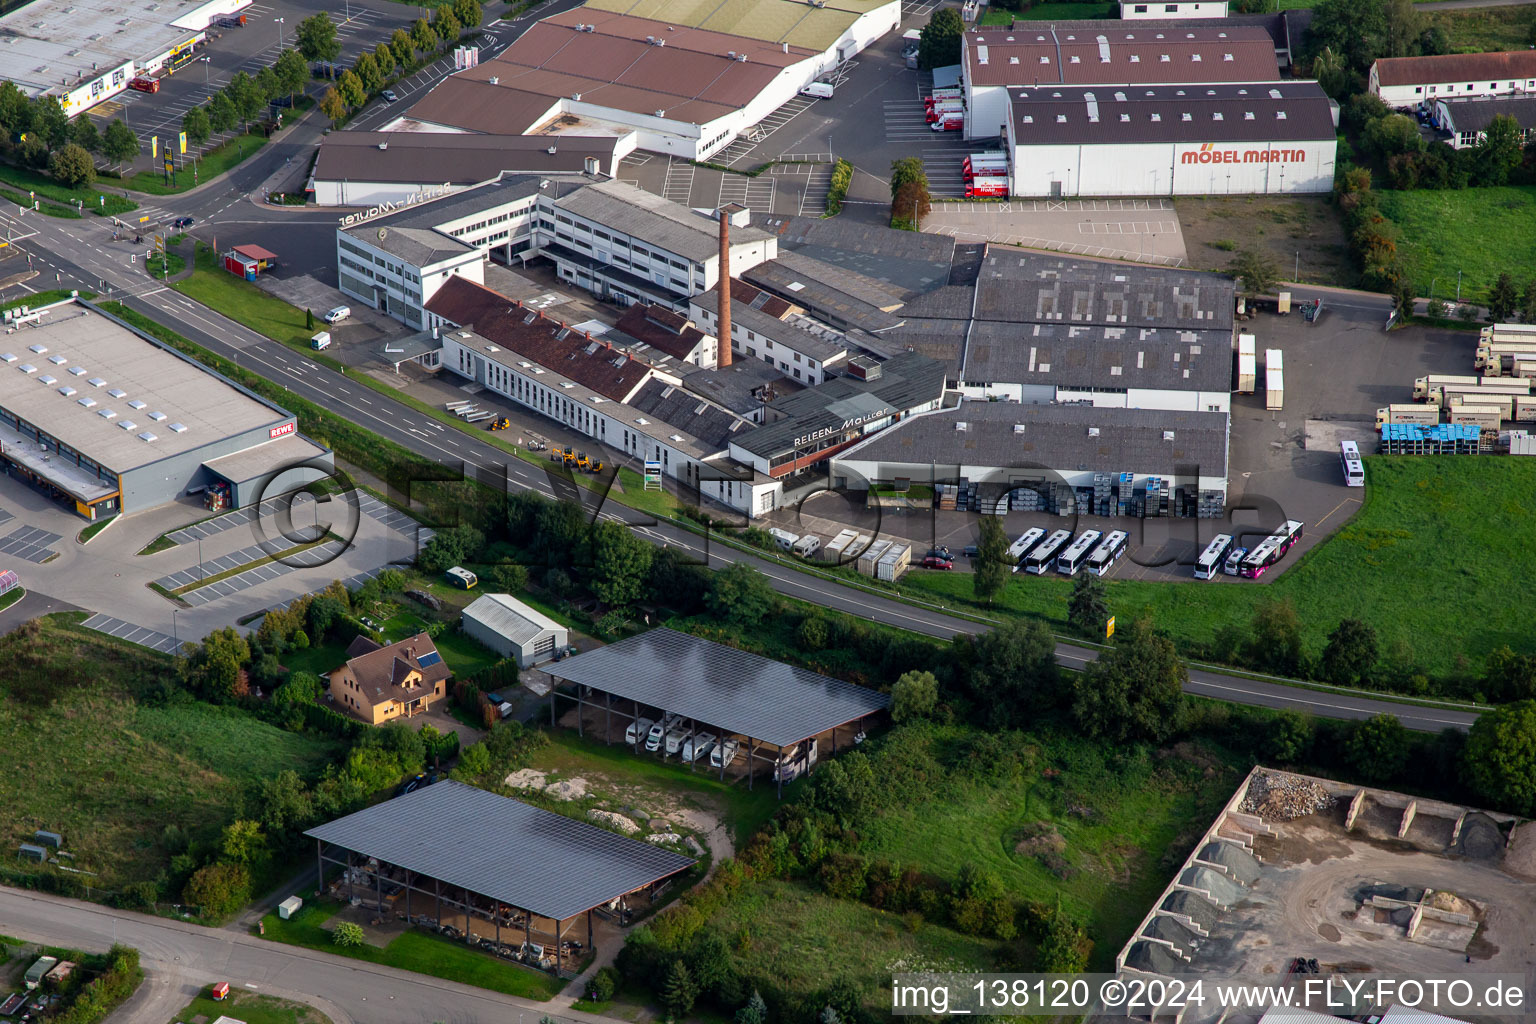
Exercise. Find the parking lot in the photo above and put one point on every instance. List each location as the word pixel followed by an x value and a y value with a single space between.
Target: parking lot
pixel 1144 230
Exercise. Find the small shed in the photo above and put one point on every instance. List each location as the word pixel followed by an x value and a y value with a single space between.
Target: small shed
pixel 248 260
pixel 9 581
pixel 52 839
pixel 289 907
pixel 39 970
pixel 512 629
pixel 32 851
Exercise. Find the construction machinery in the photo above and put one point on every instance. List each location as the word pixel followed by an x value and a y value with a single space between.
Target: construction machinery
pixel 501 423
pixel 565 455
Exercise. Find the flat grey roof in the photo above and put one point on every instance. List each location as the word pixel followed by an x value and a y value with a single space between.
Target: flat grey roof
pixel 1283 113
pixel 181 404
pixel 50 40
pixel 265 458
pixel 1074 355
pixel 1055 437
pixel 902 261
pixel 720 686
pixel 784 332
pixel 540 861
pixel 1023 287
pixel 465 159
pixel 650 218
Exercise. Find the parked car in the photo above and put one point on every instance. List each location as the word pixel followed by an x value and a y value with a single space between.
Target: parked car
pixel 182 222
pixel 697 747
pixel 389 95
pixel 638 730
pixel 724 754
pixel 972 551
pixel 937 562
pixel 1234 559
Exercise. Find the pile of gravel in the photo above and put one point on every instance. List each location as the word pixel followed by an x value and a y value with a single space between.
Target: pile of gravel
pixel 1276 797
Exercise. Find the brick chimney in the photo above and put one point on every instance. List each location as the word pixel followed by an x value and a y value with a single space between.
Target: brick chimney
pixel 723 357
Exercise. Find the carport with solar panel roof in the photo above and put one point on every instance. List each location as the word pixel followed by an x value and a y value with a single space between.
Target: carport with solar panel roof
pixel 511 878
pixel 777 714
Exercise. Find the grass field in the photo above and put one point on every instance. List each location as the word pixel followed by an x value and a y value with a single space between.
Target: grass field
pixel 1050 12
pixel 155 266
pixel 1434 534
pixel 89 759
pixel 90 196
pixel 1479 232
pixel 251 1008
pixel 1495 28
pixel 245 303
pixel 419 952
pixel 210 165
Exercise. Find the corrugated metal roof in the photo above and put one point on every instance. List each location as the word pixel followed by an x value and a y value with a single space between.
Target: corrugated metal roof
pixel 720 686
pixel 540 861
pixel 1119 53
pixel 508 617
pixel 1508 65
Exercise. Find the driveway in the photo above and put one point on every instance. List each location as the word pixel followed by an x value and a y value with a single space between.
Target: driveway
pixel 1144 230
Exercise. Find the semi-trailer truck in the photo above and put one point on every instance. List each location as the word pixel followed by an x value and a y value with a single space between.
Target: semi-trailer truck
pixel 1422 415
pixel 979 187
pixel 1247 364
pixel 1422 385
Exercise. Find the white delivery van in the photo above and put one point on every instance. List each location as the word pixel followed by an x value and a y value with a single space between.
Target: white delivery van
pixel 321 340
pixel 337 314
pixel 818 91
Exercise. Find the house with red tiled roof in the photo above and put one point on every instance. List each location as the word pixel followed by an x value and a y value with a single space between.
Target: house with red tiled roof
pixel 380 683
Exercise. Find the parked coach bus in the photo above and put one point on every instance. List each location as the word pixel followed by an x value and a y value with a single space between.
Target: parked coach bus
pixel 1021 547
pixel 1209 563
pixel 1354 469
pixel 1073 558
pixel 1109 551
pixel 1044 556
pixel 1271 549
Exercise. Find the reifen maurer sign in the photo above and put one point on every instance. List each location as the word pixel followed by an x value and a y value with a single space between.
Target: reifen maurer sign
pixel 1211 153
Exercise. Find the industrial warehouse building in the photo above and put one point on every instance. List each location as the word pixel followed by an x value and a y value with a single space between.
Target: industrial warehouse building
pixel 477 866
pixel 685 79
pixel 1405 82
pixel 106 419
pixel 513 630
pixel 87 51
pixel 1265 137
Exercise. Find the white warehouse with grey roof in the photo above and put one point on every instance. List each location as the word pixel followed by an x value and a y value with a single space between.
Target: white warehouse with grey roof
pixel 514 630
pixel 105 419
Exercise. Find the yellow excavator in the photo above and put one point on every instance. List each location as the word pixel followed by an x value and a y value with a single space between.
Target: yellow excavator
pixel 500 424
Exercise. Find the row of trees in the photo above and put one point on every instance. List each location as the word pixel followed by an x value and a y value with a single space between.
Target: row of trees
pixel 38 134
pixel 1346 36
pixel 373 70
pixel 1395 146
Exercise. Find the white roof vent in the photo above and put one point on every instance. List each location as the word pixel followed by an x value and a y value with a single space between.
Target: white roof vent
pixel 1135 58
pixel 118 393
pixel 147 436
pixel 178 428
pixel 1195 57
pixel 1279 115
pixel 962 426
pixel 1167 435
pixel 1247 115
pixel 1274 94
pixel 88 402
pixel 67 391
pixel 50 381
pixel 1217 116
pixel 128 424
pixel 1018 428
pixel 1186 116
pixel 57 360
pixel 1093 431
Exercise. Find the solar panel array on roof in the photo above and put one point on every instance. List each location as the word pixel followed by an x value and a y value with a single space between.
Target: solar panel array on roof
pixel 721 686
pixel 542 862
pixel 428 659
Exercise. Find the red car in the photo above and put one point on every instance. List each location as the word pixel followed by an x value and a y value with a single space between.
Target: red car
pixel 145 84
pixel 935 562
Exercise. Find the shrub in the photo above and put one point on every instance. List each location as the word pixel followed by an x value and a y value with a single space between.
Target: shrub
pixel 837 190
pixel 602 985
pixel 218 890
pixel 348 935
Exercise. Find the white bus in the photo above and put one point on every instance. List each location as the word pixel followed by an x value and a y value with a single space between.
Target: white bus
pixel 1109 551
pixel 1022 546
pixel 1271 549
pixel 1354 469
pixel 1044 554
pixel 1073 558
pixel 1209 563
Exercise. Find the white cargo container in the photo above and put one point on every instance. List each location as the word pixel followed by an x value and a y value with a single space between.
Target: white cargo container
pixel 1408 412
pixel 836 549
pixel 895 562
pixel 870 556
pixel 1454 400
pixel 1423 385
pixel 1247 363
pixel 1274 380
pixel 1487 417
pixel 1525 409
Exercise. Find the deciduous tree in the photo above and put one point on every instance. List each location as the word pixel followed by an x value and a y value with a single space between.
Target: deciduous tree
pixel 991 571
pixel 422 36
pixel 1133 691
pixel 913 696
pixel 1501 757
pixel 1503 299
pixel 1012 673
pixel 222 115
pixel 1351 654
pixel 1355 29
pixel 1255 269
pixel 368 71
pixel 1086 609
pixel 118 143
pixel 292 72
pixel 197 126
pixel 939 44
pixel 1274 638
pixel 740 594
pixel 85 135
pixel 72 166
pixel 317 38
pixel 332 105
pixel 621 563
pixel 218 890
pixel 1377 748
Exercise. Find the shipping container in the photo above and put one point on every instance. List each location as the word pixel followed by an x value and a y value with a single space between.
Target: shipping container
pixel 870 557
pixel 894 563
pixel 1423 385
pixel 1274 380
pixel 1408 412
pixel 835 550
pixel 1247 364
pixel 1525 409
pixel 1484 417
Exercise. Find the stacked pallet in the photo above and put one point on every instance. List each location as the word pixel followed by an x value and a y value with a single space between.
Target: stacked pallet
pixel 1441 439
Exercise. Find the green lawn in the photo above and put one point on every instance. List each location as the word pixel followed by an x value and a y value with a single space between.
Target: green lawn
pixel 1496 28
pixel 1050 12
pixel 251 1008
pixel 156 264
pixel 90 196
pixel 90 758
pixel 464 654
pixel 11 597
pixel 242 301
pixel 417 951
pixel 42 298
pixel 1480 232
pixel 1434 534
pixel 95 528
pixel 318 659
pixel 210 165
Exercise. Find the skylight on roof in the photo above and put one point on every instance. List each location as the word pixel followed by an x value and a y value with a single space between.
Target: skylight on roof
pixel 67 391
pixel 135 404
pixel 118 393
pixel 106 414
pixel 94 382
pixel 41 350
pixel 50 381
pixel 128 424
pixel 57 360
pixel 8 357
pixel 87 401
pixel 178 428
pixel 157 416
pixel 147 436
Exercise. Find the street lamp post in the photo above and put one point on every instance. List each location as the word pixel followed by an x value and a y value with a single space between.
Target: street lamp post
pixel 207 76
pixel 279 32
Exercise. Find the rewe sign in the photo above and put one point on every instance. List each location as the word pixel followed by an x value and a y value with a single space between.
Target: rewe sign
pixel 1209 154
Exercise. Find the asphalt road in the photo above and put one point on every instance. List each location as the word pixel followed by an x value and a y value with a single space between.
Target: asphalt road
pixel 181 959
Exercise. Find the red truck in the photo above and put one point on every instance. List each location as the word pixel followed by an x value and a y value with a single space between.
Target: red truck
pixel 952 122
pixel 986 167
pixel 143 84
pixel 939 96
pixel 986 186
pixel 942 111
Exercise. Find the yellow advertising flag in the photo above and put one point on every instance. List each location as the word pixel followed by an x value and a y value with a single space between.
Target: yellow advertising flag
pixel 154 146
pixel 183 143
pixel 1109 628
